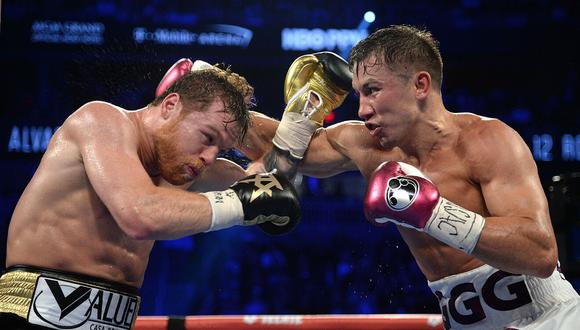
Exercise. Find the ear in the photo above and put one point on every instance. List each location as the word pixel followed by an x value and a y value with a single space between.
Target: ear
pixel 422 84
pixel 170 105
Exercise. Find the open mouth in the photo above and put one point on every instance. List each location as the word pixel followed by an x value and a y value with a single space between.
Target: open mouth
pixel 373 128
pixel 370 126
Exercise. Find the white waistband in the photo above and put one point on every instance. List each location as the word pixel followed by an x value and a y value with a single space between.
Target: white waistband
pixel 488 298
pixel 60 304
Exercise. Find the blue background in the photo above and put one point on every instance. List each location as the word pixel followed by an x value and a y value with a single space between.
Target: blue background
pixel 516 61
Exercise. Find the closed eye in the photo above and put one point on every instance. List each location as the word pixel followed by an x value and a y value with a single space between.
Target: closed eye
pixel 208 138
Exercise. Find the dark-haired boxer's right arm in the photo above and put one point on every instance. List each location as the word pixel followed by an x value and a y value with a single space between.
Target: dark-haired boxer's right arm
pixel 315 85
pixel 282 161
pixel 329 152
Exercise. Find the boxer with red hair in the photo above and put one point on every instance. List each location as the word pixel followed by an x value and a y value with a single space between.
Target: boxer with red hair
pixel 107 188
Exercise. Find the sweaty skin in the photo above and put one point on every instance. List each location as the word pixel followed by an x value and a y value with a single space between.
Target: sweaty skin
pixel 97 201
pixel 478 163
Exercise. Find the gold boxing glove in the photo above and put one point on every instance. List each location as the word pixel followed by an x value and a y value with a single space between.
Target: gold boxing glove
pixel 315 85
pixel 324 74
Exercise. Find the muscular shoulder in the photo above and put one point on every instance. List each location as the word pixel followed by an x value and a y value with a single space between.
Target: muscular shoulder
pixel 489 144
pixel 480 134
pixel 98 118
pixel 97 113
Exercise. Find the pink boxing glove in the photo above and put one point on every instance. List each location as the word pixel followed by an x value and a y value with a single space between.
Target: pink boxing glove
pixel 400 193
pixel 178 70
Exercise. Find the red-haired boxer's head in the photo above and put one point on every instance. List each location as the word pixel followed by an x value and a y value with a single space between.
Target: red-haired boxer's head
pixel 216 96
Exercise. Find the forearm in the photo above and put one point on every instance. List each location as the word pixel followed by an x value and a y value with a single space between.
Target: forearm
pixel 513 245
pixel 218 176
pixel 311 165
pixel 282 161
pixel 157 213
pixel 258 145
pixel 519 244
pixel 165 213
pixel 258 140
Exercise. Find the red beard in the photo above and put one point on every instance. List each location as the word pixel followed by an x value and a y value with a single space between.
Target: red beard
pixel 171 163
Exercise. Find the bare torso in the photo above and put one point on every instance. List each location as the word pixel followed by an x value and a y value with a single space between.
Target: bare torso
pixel 61 223
pixel 448 167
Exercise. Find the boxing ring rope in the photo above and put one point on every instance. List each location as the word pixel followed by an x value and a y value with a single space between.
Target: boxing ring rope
pixel 283 322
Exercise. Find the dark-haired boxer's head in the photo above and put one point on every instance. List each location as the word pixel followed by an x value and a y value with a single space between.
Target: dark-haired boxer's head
pixel 397 75
pixel 403 49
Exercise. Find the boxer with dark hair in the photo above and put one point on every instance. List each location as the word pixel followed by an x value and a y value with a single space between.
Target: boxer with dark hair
pixel 107 188
pixel 463 189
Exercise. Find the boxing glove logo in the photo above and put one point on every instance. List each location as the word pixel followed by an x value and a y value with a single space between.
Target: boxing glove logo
pixel 401 193
pixel 264 184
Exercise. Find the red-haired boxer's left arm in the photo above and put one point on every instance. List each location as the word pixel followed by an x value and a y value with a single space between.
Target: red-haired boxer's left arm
pixel 219 176
pixel 400 193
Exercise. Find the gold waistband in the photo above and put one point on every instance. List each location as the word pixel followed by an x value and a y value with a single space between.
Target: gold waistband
pixel 16 290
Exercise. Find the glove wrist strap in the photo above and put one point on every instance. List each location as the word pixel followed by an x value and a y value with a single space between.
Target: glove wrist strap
pixel 226 209
pixel 294 133
pixel 455 226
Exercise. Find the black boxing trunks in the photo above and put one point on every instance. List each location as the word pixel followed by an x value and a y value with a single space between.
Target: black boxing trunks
pixel 51 299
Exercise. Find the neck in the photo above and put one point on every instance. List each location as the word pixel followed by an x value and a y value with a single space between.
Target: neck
pixel 433 131
pixel 146 147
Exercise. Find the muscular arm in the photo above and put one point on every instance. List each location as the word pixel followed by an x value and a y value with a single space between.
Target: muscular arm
pixel 219 176
pixel 141 209
pixel 258 140
pixel 518 236
pixel 332 149
pixel 326 154
pixel 259 148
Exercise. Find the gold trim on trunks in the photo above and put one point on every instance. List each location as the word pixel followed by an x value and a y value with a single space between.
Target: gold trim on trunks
pixel 16 290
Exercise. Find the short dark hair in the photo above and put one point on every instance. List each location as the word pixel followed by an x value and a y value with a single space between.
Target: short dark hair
pixel 401 46
pixel 203 86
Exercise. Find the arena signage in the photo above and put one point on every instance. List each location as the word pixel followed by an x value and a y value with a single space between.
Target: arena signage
pixel 218 35
pixel 319 39
pixel 67 32
pixel 274 319
pixel 544 146
pixel 30 139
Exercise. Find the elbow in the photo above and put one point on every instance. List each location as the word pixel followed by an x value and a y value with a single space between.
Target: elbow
pixel 135 225
pixel 547 262
pixel 141 233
